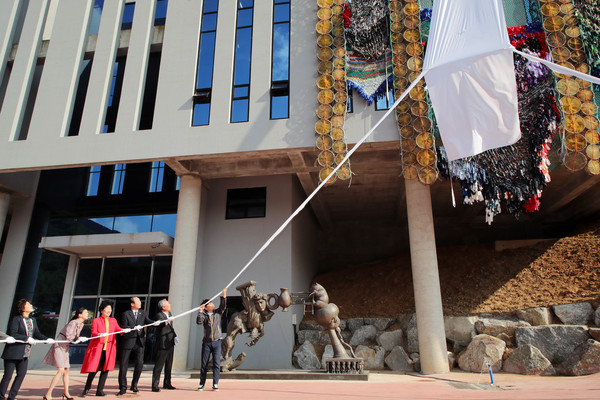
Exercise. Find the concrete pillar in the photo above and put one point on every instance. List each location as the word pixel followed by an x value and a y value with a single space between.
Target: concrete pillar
pixel 4 203
pixel 181 287
pixel 426 280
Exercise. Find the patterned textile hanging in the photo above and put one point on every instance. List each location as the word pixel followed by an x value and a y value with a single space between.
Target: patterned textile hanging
pixel 580 137
pixel 513 177
pixel 588 14
pixel 333 92
pixel 368 58
pixel 419 158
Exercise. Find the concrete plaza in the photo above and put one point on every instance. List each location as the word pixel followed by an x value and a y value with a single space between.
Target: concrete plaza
pixel 388 385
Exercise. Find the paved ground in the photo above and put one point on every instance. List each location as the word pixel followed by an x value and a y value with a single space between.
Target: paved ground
pixel 454 385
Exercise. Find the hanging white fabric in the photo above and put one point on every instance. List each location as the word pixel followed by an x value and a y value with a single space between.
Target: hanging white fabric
pixel 470 77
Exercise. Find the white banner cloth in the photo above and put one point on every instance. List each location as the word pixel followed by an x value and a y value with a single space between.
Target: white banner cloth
pixel 470 76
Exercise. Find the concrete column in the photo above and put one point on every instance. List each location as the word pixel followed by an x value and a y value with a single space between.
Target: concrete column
pixel 181 287
pixel 4 203
pixel 426 280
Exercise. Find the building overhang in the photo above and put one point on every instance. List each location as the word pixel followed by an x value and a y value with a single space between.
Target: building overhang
pixel 110 245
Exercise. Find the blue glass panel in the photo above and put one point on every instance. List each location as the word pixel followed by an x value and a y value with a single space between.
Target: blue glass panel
pixel 201 116
pixel 281 13
pixel 211 6
pixel 105 222
pixel 98 3
pixel 206 60
pixel 94 180
pixel 243 50
pixel 133 224
pixel 128 13
pixel 161 9
pixel 244 18
pixel 178 183
pixel 281 1
pixel 239 111
pixel 281 52
pixel 164 223
pixel 240 91
pixel 279 107
pixel 245 3
pixel 384 102
pixel 95 23
pixel 209 22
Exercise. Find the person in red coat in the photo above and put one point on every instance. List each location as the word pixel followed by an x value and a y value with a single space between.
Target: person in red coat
pixel 101 352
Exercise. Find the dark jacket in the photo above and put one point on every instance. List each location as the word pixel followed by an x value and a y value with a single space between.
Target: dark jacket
pixel 165 334
pixel 16 329
pixel 128 320
pixel 212 326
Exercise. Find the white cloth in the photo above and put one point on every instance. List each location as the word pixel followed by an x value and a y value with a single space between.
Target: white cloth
pixel 470 77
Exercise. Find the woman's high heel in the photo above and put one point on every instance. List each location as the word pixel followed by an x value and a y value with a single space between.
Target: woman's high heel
pixel 44 398
pixel 64 396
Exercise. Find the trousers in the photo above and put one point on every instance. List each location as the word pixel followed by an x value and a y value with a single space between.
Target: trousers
pixel 211 348
pixel 9 367
pixel 138 361
pixel 103 375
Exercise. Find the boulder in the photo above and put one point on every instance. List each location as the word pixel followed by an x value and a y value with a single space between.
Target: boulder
pixel 380 323
pixel 482 350
pixel 310 326
pixel 317 337
pixel 354 323
pixel 342 324
pixel 574 314
pixel 305 357
pixel 585 360
pixel 404 320
pixel 412 335
pixel 535 316
pixel 327 353
pixel 528 360
pixel 416 359
pixel 595 333
pixel 389 340
pixel 363 335
pixel 496 326
pixel 460 330
pixel 556 342
pixel 373 358
pixel 597 317
pixel 398 360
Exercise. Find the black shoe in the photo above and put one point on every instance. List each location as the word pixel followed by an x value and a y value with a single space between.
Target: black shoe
pixel 100 393
pixel 134 389
pixel 85 392
pixel 121 392
pixel 169 387
pixel 155 389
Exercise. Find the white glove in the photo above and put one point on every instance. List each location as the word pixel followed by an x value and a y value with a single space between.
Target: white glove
pixel 126 330
pixel 157 323
pixel 50 341
pixel 31 340
pixel 170 319
pixel 103 334
pixel 82 339
pixel 10 339
pixel 138 328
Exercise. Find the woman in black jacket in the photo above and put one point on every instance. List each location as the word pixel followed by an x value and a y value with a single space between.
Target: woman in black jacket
pixel 16 355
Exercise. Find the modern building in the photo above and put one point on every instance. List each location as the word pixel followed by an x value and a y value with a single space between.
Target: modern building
pixel 150 148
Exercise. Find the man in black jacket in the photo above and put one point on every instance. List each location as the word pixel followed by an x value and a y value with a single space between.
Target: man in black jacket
pixel 165 341
pixel 132 343
pixel 211 344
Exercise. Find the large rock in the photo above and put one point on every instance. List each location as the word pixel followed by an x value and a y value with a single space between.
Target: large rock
pixel 597 317
pixel 354 323
pixel 585 360
pixel 398 360
pixel 305 357
pixel 482 350
pixel 556 342
pixel 528 360
pixel 535 316
pixel 574 314
pixel 496 326
pixel 310 326
pixel 389 340
pixel 372 357
pixel 404 320
pixel 380 323
pixel 327 353
pixel 363 335
pixel 595 333
pixel 316 337
pixel 412 335
pixel 460 330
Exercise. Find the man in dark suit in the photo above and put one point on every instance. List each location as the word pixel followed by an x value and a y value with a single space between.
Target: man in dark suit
pixel 165 342
pixel 132 343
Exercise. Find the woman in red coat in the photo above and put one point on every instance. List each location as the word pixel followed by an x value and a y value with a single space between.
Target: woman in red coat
pixel 101 352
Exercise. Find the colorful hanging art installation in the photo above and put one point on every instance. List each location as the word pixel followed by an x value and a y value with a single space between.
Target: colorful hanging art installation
pixel 333 90
pixel 372 45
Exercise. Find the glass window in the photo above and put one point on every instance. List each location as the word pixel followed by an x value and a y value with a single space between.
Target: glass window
pixel 350 103
pixel 384 101
pixel 240 102
pixel 126 275
pixel 118 179
pixel 157 175
pixel 178 183
pixel 160 16
pixel 206 58
pixel 128 16
pixel 280 68
pixel 93 180
pixel 162 269
pixel 246 203
pixel 133 224
pixel 164 223
pixel 88 277
pixel 108 222
pixel 96 14
pixel 115 95
pixel 82 86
